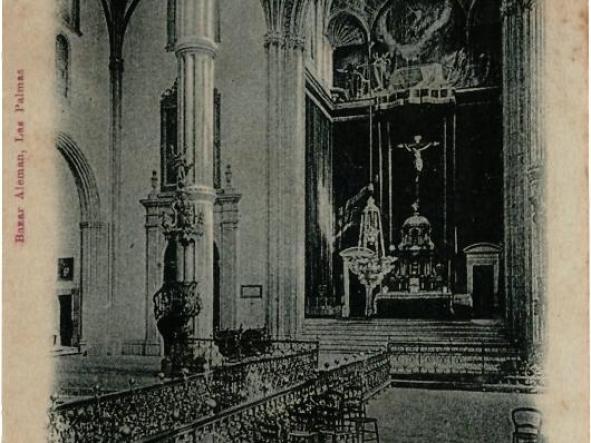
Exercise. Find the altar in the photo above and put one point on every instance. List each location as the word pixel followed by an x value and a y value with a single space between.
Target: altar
pixel 444 296
pixel 416 274
pixel 413 270
pixel 420 126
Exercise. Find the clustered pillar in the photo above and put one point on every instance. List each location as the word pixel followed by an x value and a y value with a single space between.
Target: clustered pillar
pixel 195 50
pixel 284 44
pixel 523 160
pixel 184 307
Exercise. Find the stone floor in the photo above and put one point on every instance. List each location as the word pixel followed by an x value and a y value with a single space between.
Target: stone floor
pixel 405 415
pixel 76 375
pixel 425 416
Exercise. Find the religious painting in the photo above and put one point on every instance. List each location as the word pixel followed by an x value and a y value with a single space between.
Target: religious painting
pixel 417 44
pixel 65 269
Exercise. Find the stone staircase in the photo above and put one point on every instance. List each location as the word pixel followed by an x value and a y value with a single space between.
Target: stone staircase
pixel 349 336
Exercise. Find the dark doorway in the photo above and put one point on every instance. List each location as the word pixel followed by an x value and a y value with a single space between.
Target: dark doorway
pixel 357 297
pixel 483 291
pixel 66 324
pixel 216 288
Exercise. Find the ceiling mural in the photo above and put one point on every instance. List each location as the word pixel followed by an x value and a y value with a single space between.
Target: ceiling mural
pixel 420 31
pixel 371 9
pixel 414 44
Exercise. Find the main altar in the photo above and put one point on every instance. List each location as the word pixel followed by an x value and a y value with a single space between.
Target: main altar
pixel 405 143
pixel 412 270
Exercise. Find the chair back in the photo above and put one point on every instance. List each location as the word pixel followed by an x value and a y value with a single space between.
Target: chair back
pixel 527 423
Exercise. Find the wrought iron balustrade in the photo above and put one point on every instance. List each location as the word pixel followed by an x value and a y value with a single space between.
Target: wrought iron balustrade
pixel 243 423
pixel 360 377
pixel 258 378
pixel 272 416
pixel 138 413
pixel 449 359
pixel 126 415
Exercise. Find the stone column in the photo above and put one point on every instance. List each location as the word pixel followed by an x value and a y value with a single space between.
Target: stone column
pixel 94 287
pixel 195 49
pixel 346 310
pixel 155 206
pixel 523 157
pixel 533 18
pixel 228 217
pixel 284 43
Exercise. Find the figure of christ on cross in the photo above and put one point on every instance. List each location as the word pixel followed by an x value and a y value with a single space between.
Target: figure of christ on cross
pixel 416 148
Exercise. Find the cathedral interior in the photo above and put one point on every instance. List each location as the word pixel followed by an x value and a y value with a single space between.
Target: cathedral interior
pixel 274 208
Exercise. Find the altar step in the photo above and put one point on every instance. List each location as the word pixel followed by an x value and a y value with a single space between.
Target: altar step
pixel 352 336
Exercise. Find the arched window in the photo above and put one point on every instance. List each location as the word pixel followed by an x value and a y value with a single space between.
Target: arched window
pixel 62 65
pixel 170 25
pixel 218 22
pixel 69 11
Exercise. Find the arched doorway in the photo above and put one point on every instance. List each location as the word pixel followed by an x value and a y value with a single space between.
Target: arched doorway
pixel 81 289
pixel 67 324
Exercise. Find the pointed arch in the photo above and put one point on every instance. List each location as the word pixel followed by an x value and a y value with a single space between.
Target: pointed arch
pixel 347 27
pixel 90 210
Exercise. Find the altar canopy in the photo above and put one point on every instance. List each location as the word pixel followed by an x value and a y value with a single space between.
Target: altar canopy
pixel 403 69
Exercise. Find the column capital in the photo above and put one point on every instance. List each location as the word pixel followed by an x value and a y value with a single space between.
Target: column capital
pixel 287 41
pixel 195 44
pixel 92 225
pixel 224 198
pixel 295 42
pixel 273 39
pixel 514 7
pixel 200 193
pixel 116 63
pixel 286 21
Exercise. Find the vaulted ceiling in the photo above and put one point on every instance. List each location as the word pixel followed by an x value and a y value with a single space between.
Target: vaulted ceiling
pixel 369 10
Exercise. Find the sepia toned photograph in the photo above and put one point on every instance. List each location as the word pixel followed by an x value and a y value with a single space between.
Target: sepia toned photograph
pixel 292 221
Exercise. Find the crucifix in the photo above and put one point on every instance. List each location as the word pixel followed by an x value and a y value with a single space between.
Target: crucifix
pixel 416 148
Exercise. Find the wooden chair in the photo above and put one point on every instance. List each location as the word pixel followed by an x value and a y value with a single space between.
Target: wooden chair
pixel 331 424
pixel 339 434
pixel 302 428
pixel 267 432
pixel 366 429
pixel 527 423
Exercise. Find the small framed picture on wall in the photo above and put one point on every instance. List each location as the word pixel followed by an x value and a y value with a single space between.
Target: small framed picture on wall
pixel 65 268
pixel 251 291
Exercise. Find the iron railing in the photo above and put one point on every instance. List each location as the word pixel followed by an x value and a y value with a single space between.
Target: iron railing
pixel 135 414
pixel 237 424
pixel 244 423
pixel 449 359
pixel 363 374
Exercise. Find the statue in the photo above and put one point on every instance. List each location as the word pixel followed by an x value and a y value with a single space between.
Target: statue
pixel 180 166
pixel 381 66
pixel 357 84
pixel 416 148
